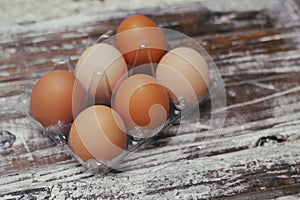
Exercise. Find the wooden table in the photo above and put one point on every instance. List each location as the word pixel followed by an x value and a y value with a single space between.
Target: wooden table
pixel 255 45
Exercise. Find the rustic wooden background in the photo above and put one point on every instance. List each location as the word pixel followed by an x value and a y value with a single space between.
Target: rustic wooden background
pixel 256 46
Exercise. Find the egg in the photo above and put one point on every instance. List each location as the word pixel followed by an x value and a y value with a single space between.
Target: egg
pixel 99 68
pixel 143 103
pixel 57 96
pixel 140 40
pixel 98 132
pixel 185 73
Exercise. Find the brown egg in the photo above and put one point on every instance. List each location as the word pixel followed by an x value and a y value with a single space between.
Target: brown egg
pixel 98 133
pixel 57 96
pixel 142 102
pixel 140 40
pixel 185 73
pixel 99 69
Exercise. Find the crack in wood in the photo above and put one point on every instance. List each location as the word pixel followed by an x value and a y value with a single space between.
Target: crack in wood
pixel 270 139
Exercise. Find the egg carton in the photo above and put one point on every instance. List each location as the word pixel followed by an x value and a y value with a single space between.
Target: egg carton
pixel 179 111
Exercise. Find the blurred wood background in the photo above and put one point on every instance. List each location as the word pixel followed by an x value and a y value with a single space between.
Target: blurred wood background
pixel 255 45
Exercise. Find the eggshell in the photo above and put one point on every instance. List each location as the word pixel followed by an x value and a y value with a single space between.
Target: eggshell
pixel 142 102
pixel 98 133
pixel 98 69
pixel 185 73
pixel 57 96
pixel 140 40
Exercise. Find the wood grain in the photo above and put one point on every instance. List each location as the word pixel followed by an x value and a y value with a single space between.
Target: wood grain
pixel 256 48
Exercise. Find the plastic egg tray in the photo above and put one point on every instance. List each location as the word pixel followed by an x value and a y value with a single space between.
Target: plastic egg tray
pixel 179 111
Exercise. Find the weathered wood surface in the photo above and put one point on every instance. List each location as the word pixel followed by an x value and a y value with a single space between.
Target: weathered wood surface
pixel 256 47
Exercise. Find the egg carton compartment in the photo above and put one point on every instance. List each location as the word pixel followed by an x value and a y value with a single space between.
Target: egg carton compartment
pixel 137 136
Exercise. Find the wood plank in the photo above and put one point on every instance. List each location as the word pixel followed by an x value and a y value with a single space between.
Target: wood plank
pixel 256 48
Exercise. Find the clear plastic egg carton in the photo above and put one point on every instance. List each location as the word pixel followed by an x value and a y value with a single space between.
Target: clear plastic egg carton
pixel 180 111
